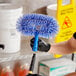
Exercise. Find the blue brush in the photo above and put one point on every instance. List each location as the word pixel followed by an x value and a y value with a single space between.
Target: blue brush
pixel 37 25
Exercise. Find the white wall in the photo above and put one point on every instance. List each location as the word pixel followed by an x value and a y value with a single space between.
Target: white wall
pixel 32 5
pixel 1 1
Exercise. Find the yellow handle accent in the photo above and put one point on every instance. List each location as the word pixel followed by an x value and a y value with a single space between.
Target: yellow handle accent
pixel 66 15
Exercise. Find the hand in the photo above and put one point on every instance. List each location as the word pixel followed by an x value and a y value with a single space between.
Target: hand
pixel 33 75
pixel 42 46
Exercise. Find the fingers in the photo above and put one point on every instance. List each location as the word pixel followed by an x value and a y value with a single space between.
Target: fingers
pixel 32 42
pixel 31 45
pixel 42 45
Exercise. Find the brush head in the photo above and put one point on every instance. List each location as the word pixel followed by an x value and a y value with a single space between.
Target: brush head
pixel 45 26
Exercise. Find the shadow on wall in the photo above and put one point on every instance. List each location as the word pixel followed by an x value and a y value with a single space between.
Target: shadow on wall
pixel 41 10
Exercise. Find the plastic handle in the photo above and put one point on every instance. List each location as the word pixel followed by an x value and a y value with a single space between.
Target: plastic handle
pixel 35 47
pixel 32 63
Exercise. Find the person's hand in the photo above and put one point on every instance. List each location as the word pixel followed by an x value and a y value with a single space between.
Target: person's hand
pixel 42 46
pixel 33 75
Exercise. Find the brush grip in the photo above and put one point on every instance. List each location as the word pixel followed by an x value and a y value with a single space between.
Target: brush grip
pixel 35 47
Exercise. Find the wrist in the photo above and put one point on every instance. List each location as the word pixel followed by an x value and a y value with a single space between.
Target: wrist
pixel 72 41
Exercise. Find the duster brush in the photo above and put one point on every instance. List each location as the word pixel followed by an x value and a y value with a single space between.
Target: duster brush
pixel 37 25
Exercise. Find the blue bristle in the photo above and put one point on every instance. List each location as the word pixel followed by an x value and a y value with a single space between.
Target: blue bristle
pixel 29 24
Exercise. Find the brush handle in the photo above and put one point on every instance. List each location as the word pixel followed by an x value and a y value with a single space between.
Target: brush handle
pixel 35 47
pixel 32 63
